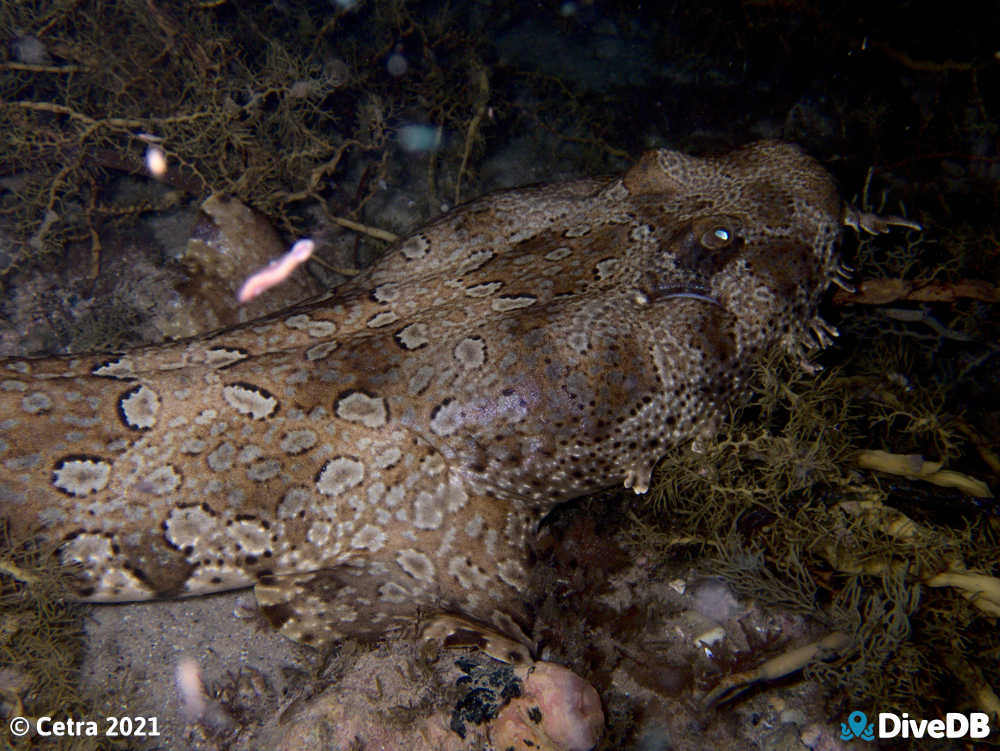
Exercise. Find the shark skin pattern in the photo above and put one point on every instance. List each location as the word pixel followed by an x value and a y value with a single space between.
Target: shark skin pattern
pixel 383 454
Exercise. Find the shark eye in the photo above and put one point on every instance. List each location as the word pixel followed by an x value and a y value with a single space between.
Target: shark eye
pixel 716 236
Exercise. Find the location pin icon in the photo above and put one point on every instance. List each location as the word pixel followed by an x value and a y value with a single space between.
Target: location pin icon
pixel 857 722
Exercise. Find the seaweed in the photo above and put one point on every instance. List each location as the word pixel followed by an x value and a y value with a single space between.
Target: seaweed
pixel 41 644
pixel 779 507
pixel 275 106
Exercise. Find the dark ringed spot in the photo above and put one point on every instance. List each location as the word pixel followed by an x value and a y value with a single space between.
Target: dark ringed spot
pixel 411 337
pixel 361 407
pixel 137 408
pixel 382 319
pixel 81 474
pixel 120 368
pixel 512 302
pixel 339 474
pixel 415 248
pixel 221 358
pixel 250 399
pixel 446 417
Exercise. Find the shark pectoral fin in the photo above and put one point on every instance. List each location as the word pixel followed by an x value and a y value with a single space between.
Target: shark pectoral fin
pixel 318 607
pixel 452 632
pixel 638 476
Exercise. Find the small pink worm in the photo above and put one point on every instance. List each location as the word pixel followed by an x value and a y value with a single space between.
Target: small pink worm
pixel 276 271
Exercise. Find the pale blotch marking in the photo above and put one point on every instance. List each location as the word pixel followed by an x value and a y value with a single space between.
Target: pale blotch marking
pixel 577 231
pixel 394 593
pixel 122 368
pixel 320 351
pixel 297 442
pixel 455 496
pixel 476 260
pixel 314 328
pixel 606 268
pixel 193 446
pixel 81 475
pixel 205 417
pixel 251 400
pixel 416 564
pixel 160 481
pixel 251 535
pixel 470 352
pixel 420 380
pixel 382 319
pixel 221 458
pixel 357 406
pixel 427 511
pixel 89 550
pixel 138 407
pixel 513 302
pixel 214 578
pixel 297 376
pixel 36 403
pixel 295 500
pixel 415 248
pixel 221 357
pixel 394 496
pixel 376 491
pixel 321 329
pixel 433 464
pixel 186 526
pixel 370 538
pixel 446 418
pixel 340 612
pixel 578 341
pixel 474 526
pixel 385 292
pixel 512 573
pixel 249 453
pixel 320 534
pixel 119 585
pixel 412 337
pixel 339 474
pixel 20 463
pixel 469 575
pixel 389 458
pixel 263 470
pixel 484 289
pixel 559 253
pixel 640 233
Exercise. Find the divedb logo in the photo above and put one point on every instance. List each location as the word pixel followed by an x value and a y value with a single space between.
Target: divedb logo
pixel 892 725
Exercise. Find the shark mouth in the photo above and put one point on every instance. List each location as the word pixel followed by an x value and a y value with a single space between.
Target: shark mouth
pixel 690 293
pixel 691 296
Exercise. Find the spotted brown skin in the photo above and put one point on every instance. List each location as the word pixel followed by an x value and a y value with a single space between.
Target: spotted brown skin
pixel 384 453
